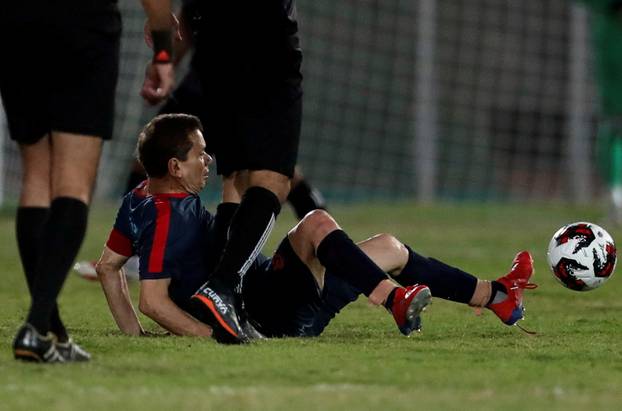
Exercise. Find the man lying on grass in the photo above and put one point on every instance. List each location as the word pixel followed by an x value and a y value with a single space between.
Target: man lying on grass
pixel 315 271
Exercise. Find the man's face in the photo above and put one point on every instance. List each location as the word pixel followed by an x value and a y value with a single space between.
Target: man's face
pixel 195 169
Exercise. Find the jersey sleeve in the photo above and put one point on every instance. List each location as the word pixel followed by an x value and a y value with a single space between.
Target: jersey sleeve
pixel 120 238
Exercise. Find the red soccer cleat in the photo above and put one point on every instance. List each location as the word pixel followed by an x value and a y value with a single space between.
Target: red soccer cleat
pixel 511 309
pixel 408 302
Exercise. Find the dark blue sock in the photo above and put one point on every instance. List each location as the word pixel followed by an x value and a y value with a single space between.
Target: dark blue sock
pixel 444 281
pixel 389 303
pixel 338 253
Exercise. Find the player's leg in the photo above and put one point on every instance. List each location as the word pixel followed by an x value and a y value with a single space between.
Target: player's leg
pixel 321 245
pixel 303 197
pixel 34 204
pixel 29 125
pixel 252 223
pixel 74 167
pixel 32 216
pixel 33 213
pixel 247 234
pixel 265 144
pixel 258 132
pixel 503 296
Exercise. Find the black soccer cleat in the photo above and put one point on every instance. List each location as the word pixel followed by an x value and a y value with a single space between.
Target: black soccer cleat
pixel 72 352
pixel 251 332
pixel 29 345
pixel 249 326
pixel 218 304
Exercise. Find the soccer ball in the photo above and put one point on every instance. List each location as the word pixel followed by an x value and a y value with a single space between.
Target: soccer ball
pixel 582 256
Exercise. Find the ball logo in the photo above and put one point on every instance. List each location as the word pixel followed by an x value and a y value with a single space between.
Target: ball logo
pixel 605 262
pixel 566 269
pixel 580 232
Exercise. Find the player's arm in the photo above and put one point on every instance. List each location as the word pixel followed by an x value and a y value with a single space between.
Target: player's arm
pixel 156 304
pixel 114 284
pixel 158 13
pixel 159 75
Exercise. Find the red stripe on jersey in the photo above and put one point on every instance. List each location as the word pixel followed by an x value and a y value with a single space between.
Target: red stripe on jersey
pixel 119 243
pixel 163 220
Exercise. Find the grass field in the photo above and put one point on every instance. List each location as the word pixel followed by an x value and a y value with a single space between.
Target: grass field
pixel 459 362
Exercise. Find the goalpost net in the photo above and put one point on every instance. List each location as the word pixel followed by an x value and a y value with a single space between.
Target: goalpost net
pixel 427 99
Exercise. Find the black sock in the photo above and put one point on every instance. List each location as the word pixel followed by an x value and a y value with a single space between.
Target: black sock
pixel 60 242
pixel 250 227
pixel 219 230
pixel 444 281
pixel 29 225
pixel 496 288
pixel 305 198
pixel 338 253
pixel 388 304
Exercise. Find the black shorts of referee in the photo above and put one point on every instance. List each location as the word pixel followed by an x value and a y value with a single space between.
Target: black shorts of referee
pixel 59 68
pixel 249 60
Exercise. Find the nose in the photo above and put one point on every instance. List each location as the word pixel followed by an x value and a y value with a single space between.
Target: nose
pixel 208 159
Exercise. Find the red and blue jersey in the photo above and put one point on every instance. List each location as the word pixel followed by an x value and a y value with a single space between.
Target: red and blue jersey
pixel 171 234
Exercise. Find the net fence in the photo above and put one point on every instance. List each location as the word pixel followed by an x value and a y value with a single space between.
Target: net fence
pixel 445 99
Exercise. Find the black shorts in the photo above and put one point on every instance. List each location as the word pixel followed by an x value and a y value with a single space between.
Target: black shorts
pixel 256 134
pixel 188 98
pixel 243 134
pixel 282 297
pixel 60 78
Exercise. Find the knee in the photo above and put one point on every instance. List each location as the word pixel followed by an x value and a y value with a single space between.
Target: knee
pixel 278 183
pixel 317 224
pixel 389 241
pixel 391 244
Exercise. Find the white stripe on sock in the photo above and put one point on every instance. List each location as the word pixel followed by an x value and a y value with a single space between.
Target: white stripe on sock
pixel 262 241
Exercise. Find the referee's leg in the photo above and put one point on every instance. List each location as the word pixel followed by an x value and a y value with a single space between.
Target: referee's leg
pixel 72 169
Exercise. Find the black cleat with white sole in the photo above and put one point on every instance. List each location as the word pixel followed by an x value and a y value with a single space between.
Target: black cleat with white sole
pixel 29 345
pixel 215 304
pixel 72 352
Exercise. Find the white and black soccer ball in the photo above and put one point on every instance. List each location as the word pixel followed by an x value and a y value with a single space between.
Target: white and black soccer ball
pixel 582 256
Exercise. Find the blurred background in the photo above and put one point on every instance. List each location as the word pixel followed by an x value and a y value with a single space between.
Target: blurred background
pixel 452 100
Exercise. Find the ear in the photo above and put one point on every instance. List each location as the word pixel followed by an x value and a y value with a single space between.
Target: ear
pixel 174 167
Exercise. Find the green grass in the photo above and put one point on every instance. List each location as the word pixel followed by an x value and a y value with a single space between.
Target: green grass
pixel 459 362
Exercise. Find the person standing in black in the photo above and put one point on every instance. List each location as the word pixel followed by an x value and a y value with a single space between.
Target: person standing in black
pixel 248 60
pixel 58 86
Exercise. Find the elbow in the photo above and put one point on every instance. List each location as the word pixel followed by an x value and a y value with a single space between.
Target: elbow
pixel 100 270
pixel 105 271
